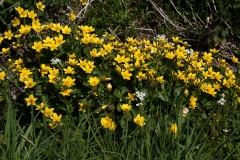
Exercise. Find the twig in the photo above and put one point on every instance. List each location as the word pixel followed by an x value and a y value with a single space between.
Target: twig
pixel 27 139
pixel 84 8
pixel 214 5
pixel 198 16
pixel 180 13
pixel 112 33
pixel 160 10
pixel 1 2
pixel 229 27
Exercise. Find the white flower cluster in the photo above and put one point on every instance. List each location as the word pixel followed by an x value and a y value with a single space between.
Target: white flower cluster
pixel 189 51
pixel 55 60
pixel 162 36
pixel 140 95
pixel 139 104
pixel 222 100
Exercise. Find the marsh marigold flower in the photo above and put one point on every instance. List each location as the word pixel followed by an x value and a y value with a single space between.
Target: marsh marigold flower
pixel 139 120
pixel 108 123
pixel 94 81
pixel 29 83
pixel 38 46
pixel 40 6
pixel 126 107
pixel 66 92
pixel 2 75
pixel 55 118
pixel 173 128
pixel 192 103
pixel 68 81
pixel 48 111
pixel 31 100
pixel 126 74
pixel 72 16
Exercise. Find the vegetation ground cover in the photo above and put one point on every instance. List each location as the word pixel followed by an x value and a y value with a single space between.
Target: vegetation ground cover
pixel 87 80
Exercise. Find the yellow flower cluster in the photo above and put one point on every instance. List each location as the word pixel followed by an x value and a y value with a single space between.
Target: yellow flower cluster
pixel 108 123
pixel 48 112
pixel 141 62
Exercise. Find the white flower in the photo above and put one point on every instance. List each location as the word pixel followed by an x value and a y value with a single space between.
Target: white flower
pixel 140 95
pixel 221 101
pixel 163 36
pixel 189 51
pixel 55 60
pixel 185 111
pixel 139 104
pixel 225 130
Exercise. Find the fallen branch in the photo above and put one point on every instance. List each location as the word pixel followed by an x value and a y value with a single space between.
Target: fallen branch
pixel 160 10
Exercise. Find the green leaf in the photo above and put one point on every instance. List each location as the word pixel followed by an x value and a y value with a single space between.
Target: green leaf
pixel 225 32
pixel 204 115
pixel 163 96
pixel 177 91
pixel 117 93
pixel 124 90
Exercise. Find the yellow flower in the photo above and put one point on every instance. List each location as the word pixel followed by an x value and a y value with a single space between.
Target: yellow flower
pixel 31 14
pixel 139 120
pixel 53 46
pixel 23 13
pixel 15 22
pixel 40 107
pixel 44 69
pixel 170 55
pixel 40 6
pixel 141 76
pixel 2 75
pixel 126 107
pixel 24 29
pixel 68 70
pixel 104 107
pixel 8 34
pixel 66 30
pixel 160 79
pixel 234 59
pixel 68 81
pixel 31 100
pixel 56 27
pixel 238 99
pixel 126 74
pixel 214 50
pixel 108 123
pixel 173 128
pixel 72 16
pixel 84 2
pixel 108 47
pixel 59 40
pixel 131 96
pixel 192 103
pixel 207 57
pixel 82 107
pixel 94 81
pixel 29 83
pixel 48 112
pixel 66 92
pixel 55 118
pixel 38 46
pixel 186 92
pixel 5 50
pixel 176 39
